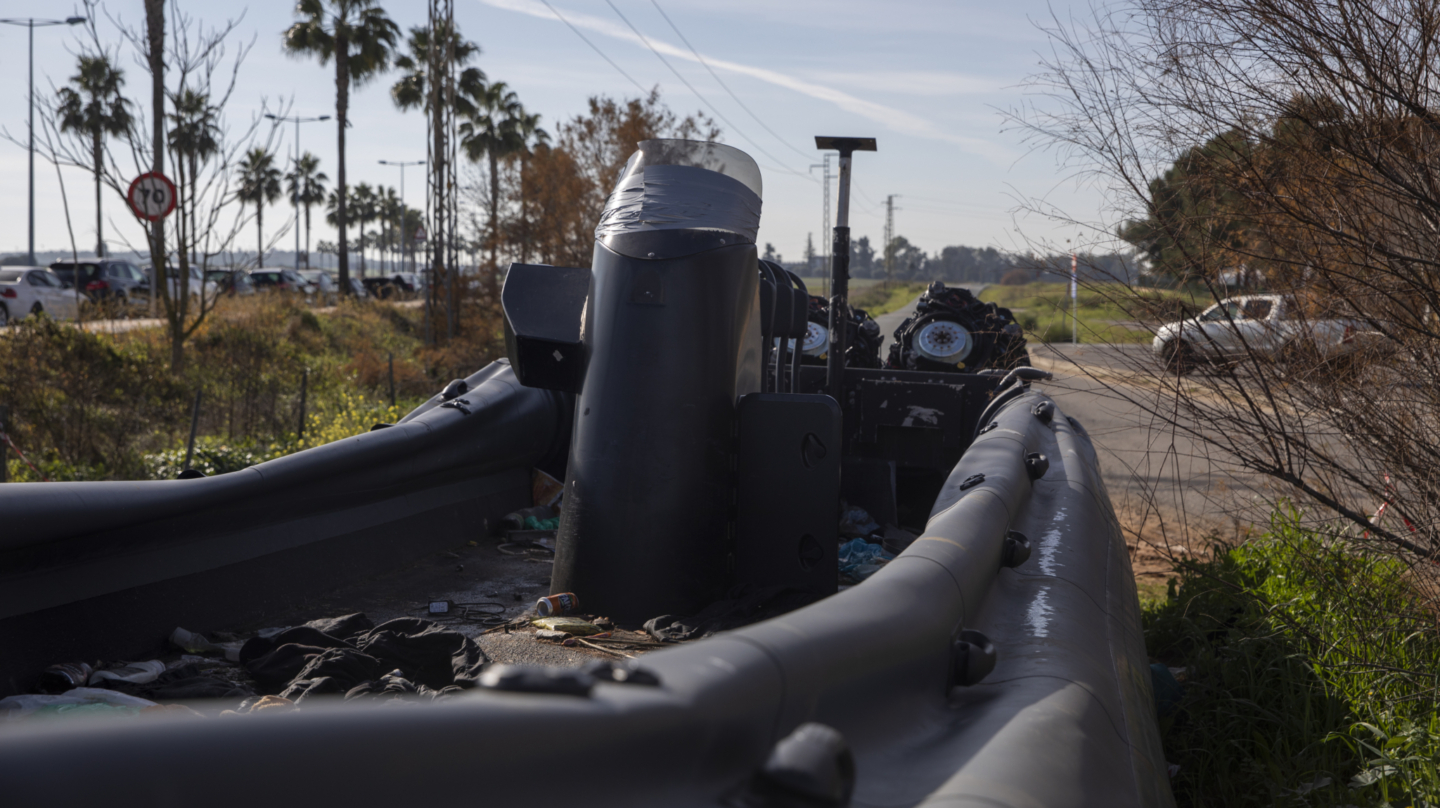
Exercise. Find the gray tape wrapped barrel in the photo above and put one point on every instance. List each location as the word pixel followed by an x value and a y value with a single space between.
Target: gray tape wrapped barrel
pixel 659 339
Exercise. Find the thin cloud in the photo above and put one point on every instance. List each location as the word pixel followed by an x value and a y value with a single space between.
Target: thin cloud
pixel 919 82
pixel 894 119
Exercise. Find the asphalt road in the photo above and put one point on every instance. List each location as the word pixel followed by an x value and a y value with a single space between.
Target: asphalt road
pixel 1165 486
pixel 1162 483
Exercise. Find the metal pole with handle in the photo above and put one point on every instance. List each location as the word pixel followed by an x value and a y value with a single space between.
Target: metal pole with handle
pixel 840 263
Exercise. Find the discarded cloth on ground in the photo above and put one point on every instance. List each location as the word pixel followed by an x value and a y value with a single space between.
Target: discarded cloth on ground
pixel 197 679
pixel 341 655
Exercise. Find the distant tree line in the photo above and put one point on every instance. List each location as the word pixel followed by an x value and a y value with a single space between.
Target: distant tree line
pixel 960 264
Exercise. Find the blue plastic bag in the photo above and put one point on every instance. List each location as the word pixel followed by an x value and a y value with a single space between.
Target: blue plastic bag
pixel 859 559
pixel 856 521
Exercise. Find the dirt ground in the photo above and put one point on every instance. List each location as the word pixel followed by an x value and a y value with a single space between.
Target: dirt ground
pixel 494 588
pixel 1158 541
pixel 501 588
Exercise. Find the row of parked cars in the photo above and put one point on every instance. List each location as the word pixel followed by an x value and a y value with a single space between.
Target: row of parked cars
pixel 118 288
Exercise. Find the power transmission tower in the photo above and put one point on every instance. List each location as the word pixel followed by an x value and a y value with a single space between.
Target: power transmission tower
pixel 889 246
pixel 825 177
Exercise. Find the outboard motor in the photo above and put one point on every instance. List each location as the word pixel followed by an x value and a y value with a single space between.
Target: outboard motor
pixel 660 338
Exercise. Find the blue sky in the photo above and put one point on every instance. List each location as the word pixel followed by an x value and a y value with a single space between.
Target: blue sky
pixel 927 79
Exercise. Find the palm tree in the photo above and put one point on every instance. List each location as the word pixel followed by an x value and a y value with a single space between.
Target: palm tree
pixel 410 92
pixel 194 138
pixel 410 221
pixel 360 208
pixel 360 37
pixel 259 185
pixel 306 184
pixel 92 106
pixel 391 209
pixel 365 212
pixel 498 129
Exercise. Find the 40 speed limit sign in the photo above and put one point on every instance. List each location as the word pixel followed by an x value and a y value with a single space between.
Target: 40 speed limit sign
pixel 152 196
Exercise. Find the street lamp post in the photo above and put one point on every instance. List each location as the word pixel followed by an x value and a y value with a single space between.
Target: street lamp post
pixel 405 242
pixel 295 197
pixel 30 23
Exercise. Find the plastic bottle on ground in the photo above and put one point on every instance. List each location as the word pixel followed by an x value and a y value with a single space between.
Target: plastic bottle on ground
pixel 134 672
pixel 64 676
pixel 197 644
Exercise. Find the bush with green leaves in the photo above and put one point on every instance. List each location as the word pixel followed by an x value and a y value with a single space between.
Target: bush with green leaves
pixel 213 456
pixel 1310 673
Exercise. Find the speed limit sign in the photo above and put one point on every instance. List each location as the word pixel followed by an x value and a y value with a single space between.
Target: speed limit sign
pixel 152 196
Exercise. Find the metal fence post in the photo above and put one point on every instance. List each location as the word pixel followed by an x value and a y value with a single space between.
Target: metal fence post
pixel 304 383
pixel 392 381
pixel 194 422
pixel 4 443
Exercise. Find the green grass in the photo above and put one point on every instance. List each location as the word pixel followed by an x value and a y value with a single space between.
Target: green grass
pixel 878 299
pixel 1108 312
pixel 1309 675
pixel 874 295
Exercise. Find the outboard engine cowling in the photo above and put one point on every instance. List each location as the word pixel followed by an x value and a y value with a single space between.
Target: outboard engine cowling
pixel 671 339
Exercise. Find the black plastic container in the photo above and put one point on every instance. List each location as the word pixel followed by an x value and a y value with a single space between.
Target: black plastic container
pixel 672 339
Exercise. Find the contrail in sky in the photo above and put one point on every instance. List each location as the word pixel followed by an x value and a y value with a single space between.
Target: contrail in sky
pixel 889 117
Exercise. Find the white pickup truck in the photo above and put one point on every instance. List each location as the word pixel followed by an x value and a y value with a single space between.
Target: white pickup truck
pixel 1269 326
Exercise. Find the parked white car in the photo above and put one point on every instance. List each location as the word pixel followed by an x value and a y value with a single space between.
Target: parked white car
pixel 32 290
pixel 1269 326
pixel 323 288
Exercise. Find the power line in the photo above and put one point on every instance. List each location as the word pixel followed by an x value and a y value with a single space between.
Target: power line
pixel 861 190
pixel 594 46
pixel 955 202
pixel 964 214
pixel 706 101
pixel 719 81
pixel 857 187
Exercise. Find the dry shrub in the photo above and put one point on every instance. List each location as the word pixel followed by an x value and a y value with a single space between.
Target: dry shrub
pixel 371 370
pixel 479 338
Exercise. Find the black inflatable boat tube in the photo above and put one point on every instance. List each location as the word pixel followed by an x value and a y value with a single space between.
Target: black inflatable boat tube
pixel 1064 719
pixel 108 569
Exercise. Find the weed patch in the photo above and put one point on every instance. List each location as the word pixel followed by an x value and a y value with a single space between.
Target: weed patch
pixel 1309 669
pixel 1109 313
pixel 881 299
pixel 88 406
